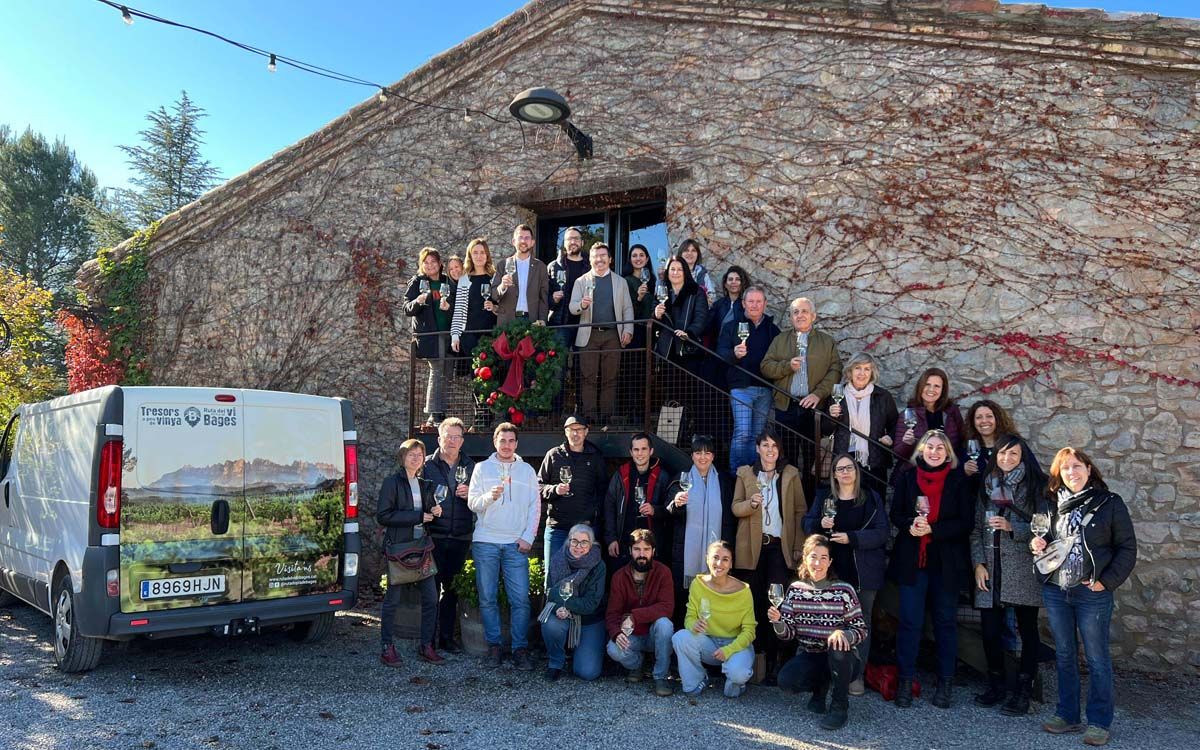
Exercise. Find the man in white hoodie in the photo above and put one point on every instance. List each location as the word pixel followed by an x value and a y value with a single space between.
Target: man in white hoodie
pixel 503 494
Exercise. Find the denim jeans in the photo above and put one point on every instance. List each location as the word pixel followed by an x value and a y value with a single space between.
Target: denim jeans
pixel 694 651
pixel 553 538
pixel 391 602
pixel 944 603
pixel 751 406
pixel 658 641
pixel 1088 612
pixel 492 560
pixel 589 653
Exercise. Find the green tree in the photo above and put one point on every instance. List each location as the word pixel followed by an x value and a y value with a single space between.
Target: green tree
pixel 170 172
pixel 46 233
pixel 24 374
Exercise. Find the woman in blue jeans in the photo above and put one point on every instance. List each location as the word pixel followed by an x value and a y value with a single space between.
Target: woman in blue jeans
pixel 1097 549
pixel 574 614
pixel 935 517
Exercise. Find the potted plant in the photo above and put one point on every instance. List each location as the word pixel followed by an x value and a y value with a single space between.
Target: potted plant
pixel 471 623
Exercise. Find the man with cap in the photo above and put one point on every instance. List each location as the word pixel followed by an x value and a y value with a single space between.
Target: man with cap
pixel 574 496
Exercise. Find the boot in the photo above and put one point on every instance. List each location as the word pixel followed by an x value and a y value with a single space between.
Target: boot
pixel 1018 701
pixel 995 692
pixel 816 704
pixel 941 697
pixel 904 694
pixel 836 717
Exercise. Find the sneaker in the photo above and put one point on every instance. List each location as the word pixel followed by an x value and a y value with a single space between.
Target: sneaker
pixel 663 688
pixel 734 689
pixel 633 676
pixel 553 674
pixel 694 695
pixel 389 656
pixel 427 653
pixel 1095 736
pixel 857 687
pixel 521 660
pixel 494 657
pixel 1059 725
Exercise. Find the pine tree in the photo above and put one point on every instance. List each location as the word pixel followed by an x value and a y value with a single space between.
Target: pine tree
pixel 170 172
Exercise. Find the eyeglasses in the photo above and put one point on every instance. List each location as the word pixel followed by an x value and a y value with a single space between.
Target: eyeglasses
pixel 844 469
pixel 579 543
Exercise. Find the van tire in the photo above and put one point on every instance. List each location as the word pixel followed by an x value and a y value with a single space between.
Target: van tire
pixel 73 651
pixel 313 631
pixel 6 598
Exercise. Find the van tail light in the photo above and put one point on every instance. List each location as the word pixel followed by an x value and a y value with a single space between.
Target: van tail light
pixel 108 486
pixel 112 583
pixel 351 481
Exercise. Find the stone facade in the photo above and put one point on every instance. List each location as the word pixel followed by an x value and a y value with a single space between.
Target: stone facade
pixel 1006 191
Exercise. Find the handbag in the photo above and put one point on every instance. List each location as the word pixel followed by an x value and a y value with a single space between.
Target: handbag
pixel 885 679
pixel 1056 552
pixel 411 561
pixel 670 422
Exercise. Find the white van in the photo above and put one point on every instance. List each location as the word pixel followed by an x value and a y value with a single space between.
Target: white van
pixel 148 511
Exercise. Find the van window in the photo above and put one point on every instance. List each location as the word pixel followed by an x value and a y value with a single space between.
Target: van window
pixel 6 444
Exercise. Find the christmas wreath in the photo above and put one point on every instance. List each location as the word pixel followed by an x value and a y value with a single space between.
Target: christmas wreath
pixel 518 368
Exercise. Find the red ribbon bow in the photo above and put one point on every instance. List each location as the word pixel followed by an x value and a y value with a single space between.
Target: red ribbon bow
pixel 514 381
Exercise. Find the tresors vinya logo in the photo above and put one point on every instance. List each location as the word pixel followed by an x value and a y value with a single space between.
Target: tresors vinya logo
pixel 192 416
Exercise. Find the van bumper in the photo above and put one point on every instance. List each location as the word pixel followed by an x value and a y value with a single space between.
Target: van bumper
pixel 196 620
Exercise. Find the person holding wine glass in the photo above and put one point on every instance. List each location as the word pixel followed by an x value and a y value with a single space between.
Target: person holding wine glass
pixel 425 301
pixel 866 418
pixel 1094 552
pixel 642 287
pixel 853 516
pixel 769 503
pixel 449 470
pixel 1004 573
pixel 605 310
pixel 689 250
pixel 986 420
pixel 727 307
pixel 700 504
pixel 743 344
pixel 635 499
pixel 406 505
pixel 718 627
pixel 574 614
pixel 823 615
pixel 571 263
pixel 474 311
pixel 930 408
pixel 523 289
pixel 684 314
pixel 640 603
pixel 576 496
pixel 934 517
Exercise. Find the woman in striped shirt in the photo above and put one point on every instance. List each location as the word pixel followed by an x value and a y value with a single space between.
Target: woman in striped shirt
pixel 824 616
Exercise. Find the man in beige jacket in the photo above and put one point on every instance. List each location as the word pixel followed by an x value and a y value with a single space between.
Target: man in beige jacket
pixel 601 300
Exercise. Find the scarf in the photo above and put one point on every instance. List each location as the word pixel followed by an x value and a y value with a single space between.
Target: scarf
pixel 564 567
pixel 1070 526
pixel 931 483
pixel 858 409
pixel 703 524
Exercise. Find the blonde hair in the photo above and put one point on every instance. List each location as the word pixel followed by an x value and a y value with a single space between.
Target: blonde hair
pixel 428 251
pixel 919 450
pixel 469 264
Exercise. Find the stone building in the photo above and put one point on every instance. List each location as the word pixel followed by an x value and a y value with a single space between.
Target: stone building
pixel 1007 191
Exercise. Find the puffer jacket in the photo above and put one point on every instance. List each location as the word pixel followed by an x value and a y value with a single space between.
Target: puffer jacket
pixel 1108 539
pixel 457 521
pixel 397 511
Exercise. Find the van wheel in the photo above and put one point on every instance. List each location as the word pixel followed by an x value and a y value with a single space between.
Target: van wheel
pixel 312 631
pixel 73 651
pixel 6 599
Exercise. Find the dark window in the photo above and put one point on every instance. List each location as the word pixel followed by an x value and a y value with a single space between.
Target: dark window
pixel 620 227
pixel 7 443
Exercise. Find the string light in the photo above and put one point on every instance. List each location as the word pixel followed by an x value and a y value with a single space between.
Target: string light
pixel 383 92
pixel 126 16
pixel 271 64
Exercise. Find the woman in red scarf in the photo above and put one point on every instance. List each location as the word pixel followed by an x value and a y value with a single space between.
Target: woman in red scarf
pixel 931 559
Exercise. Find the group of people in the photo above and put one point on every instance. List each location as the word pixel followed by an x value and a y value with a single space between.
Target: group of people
pixel 743 572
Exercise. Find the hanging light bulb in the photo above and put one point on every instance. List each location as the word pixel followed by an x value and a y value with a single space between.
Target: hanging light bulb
pixel 271 64
pixel 466 115
pixel 126 16
pixel 382 95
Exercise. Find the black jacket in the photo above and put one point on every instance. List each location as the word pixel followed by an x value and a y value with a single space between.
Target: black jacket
pixel 745 372
pixel 883 414
pixel 863 562
pixel 1108 538
pixel 457 520
pixel 397 512
pixel 588 484
pixel 618 499
pixel 688 312
pixel 679 519
pixel 559 314
pixel 423 318
pixel 949 552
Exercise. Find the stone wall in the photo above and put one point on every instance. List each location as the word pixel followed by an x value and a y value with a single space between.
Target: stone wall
pixel 1012 200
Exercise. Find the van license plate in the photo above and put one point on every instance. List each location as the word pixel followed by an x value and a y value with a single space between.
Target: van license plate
pixel 161 588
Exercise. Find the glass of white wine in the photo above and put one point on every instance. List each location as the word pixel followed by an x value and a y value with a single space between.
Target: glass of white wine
pixel 705 611
pixel 424 286
pixel 485 290
pixel 910 417
pixel 439 494
pixel 1040 524
pixel 743 331
pixel 973 450
pixel 923 506
pixel 839 393
pixel 685 480
pixel 566 590
pixel 564 476
pixel 775 594
pixel 460 475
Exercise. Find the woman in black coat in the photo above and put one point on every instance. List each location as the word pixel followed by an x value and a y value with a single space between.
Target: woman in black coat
pixel 869 409
pixel 934 517
pixel 406 504
pixel 427 302
pixel 683 317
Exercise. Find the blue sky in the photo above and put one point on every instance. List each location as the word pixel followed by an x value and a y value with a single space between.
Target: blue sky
pixel 72 69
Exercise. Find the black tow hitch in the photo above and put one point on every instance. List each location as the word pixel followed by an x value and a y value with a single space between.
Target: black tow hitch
pixel 245 626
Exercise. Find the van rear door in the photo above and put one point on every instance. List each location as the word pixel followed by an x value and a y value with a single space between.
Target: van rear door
pixel 295 495
pixel 183 506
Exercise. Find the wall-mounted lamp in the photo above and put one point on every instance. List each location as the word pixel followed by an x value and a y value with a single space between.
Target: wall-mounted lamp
pixel 544 106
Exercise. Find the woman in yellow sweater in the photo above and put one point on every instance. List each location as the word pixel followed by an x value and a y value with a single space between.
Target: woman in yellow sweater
pixel 718 628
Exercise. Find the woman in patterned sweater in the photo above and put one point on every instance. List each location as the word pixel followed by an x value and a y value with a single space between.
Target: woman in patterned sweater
pixel 824 616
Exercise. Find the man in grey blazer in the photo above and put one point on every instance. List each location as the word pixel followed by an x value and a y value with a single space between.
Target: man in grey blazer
pixel 601 300
pixel 521 287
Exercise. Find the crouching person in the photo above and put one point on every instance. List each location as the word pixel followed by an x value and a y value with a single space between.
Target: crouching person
pixel 824 615
pixel 718 627
pixel 640 603
pixel 574 613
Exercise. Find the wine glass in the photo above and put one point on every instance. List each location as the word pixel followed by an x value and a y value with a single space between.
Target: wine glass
pixel 639 495
pixel 627 626
pixel 460 475
pixel 743 331
pixel 800 343
pixel 705 609
pixel 1040 524
pixel 560 276
pixel 830 509
pixel 685 480
pixel 922 506
pixel 485 290
pixel 775 594
pixel 424 286
pixel 566 590
pixel 510 266
pixel 564 476
pixel 910 417
pixel 839 393
pixel 661 293
pixel 973 450
pixel 988 515
pixel 439 494
pixel 643 275
pixel 505 472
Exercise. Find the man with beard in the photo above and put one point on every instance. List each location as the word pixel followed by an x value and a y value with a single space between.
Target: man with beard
pixel 638 618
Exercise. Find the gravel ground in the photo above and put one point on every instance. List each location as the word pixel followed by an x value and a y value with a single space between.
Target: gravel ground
pixel 266 692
